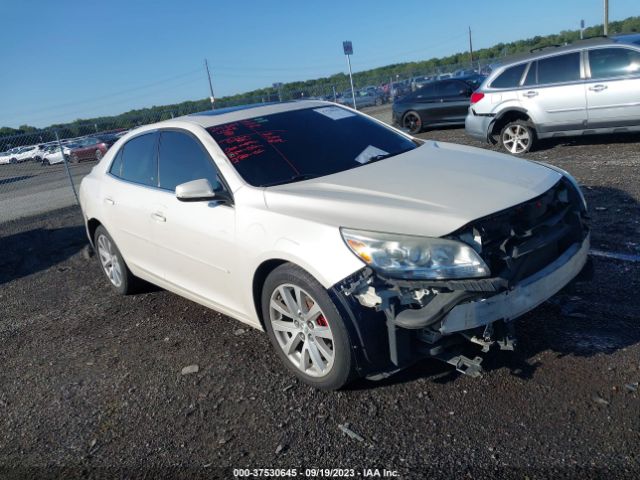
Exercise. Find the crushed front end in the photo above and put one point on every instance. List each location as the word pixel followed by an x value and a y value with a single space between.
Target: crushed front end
pixel 533 250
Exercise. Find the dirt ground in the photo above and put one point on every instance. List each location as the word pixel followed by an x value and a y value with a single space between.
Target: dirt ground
pixel 91 384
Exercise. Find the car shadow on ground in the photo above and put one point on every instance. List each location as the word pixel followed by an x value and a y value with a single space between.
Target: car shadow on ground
pixel 586 140
pixel 37 250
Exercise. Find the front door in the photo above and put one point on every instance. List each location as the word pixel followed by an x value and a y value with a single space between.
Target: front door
pixel 196 240
pixel 613 91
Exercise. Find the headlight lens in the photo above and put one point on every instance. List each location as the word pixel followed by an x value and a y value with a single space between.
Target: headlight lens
pixel 412 257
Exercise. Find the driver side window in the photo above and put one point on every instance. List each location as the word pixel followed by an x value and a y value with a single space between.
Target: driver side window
pixel 182 159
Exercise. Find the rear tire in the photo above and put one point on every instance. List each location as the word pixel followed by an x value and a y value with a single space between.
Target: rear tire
pixel 305 328
pixel 412 122
pixel 517 137
pixel 112 263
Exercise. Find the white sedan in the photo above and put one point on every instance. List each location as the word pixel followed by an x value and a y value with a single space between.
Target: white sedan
pixel 52 155
pixel 358 248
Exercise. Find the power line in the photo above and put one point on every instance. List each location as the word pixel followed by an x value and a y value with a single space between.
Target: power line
pixel 110 95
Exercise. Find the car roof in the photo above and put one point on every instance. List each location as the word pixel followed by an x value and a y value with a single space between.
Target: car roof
pixel 211 118
pixel 554 49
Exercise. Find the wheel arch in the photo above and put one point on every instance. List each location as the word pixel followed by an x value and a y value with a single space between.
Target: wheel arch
pixel 259 276
pixel 509 115
pixel 92 226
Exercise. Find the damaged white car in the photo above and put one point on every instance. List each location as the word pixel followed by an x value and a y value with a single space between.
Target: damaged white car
pixel 357 248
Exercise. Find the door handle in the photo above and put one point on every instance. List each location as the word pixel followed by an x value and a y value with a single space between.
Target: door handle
pixel 109 201
pixel 530 94
pixel 158 217
pixel 598 88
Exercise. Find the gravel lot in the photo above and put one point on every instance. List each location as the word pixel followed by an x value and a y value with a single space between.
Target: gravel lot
pixel 91 384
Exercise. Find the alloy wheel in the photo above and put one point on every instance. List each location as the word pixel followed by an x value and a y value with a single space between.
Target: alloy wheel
pixel 302 330
pixel 109 260
pixel 98 155
pixel 412 122
pixel 516 139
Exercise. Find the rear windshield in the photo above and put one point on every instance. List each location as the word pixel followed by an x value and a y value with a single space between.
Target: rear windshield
pixel 308 143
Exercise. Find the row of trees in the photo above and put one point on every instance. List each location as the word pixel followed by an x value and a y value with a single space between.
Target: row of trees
pixel 320 86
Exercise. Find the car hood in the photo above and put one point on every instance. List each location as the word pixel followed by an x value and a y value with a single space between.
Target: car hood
pixel 432 190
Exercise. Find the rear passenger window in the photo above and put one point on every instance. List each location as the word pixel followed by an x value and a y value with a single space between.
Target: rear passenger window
pixel 116 166
pixel 183 159
pixel 559 69
pixel 139 160
pixel 510 77
pixel 614 62
pixel 428 91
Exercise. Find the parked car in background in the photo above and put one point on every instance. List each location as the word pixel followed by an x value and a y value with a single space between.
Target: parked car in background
pixel 23 154
pixel 589 87
pixel 419 82
pixel 363 98
pixel 108 138
pixel 437 104
pixel 89 148
pixel 464 73
pixel 444 76
pixel 358 248
pixel 5 158
pixel 53 155
pixel 399 89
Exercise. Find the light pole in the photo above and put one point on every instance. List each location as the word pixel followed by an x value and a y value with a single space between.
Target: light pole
pixel 606 17
pixel 347 46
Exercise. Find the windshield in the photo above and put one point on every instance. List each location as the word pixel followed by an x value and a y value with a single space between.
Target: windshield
pixel 302 144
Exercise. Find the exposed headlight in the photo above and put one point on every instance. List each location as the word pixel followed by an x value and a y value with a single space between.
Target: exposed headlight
pixel 412 257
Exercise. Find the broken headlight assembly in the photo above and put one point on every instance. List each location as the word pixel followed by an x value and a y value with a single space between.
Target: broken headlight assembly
pixel 413 257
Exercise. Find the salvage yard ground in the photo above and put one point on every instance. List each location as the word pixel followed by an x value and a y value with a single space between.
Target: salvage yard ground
pixel 91 383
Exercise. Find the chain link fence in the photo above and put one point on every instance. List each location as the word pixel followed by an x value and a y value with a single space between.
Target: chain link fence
pixel 40 171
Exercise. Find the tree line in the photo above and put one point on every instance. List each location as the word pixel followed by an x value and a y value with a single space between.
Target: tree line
pixel 314 87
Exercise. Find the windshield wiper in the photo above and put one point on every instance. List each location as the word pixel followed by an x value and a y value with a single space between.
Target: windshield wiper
pixel 295 178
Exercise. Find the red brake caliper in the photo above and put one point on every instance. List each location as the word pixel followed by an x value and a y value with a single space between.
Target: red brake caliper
pixel 321 321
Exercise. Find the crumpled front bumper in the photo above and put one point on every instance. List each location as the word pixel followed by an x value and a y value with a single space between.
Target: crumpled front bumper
pixel 523 297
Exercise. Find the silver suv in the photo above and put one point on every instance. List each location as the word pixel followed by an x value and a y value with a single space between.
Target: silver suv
pixel 592 86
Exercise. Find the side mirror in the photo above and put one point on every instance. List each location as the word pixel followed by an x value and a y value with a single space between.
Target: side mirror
pixel 195 190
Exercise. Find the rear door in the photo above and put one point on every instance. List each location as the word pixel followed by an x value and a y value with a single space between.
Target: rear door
pixel 128 194
pixel 454 97
pixel 613 89
pixel 426 102
pixel 553 93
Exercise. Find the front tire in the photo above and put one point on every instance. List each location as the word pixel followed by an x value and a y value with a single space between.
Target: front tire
pixel 305 328
pixel 517 137
pixel 112 263
pixel 412 122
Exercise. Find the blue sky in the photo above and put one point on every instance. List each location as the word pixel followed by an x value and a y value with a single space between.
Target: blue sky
pixel 69 59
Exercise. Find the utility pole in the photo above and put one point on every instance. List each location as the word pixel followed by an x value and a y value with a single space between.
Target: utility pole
pixel 606 17
pixel 470 47
pixel 212 98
